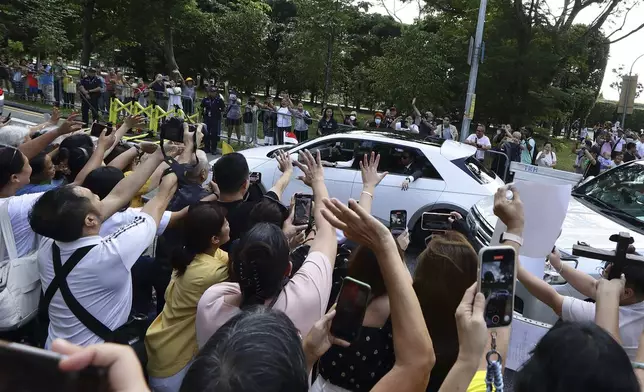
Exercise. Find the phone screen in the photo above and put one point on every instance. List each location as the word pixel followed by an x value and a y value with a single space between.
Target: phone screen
pixel 97 129
pixel 255 177
pixel 397 221
pixel 496 282
pixel 434 221
pixel 351 306
pixel 303 207
pixel 31 369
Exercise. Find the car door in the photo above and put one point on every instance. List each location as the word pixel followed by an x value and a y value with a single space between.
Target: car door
pixel 389 195
pixel 338 180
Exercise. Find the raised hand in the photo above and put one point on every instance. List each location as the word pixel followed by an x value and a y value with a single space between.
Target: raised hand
pixel 311 167
pixel 137 121
pixel 614 287
pixel 148 148
pixel 403 240
pixel 284 162
pixel 70 125
pixel 357 224
pixel 55 116
pixel 509 211
pixel 369 168
pixel 470 325
pixel 106 141
pixel 319 339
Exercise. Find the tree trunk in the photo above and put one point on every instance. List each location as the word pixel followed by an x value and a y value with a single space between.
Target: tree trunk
pixel 87 29
pixel 168 46
pixel 267 91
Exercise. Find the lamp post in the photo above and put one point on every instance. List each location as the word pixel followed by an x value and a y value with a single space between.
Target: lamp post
pixel 628 85
pixel 474 70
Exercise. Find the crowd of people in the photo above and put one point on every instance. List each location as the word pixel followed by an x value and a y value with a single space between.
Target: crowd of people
pixel 215 288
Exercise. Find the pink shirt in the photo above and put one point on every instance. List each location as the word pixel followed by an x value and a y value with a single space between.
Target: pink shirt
pixel 304 299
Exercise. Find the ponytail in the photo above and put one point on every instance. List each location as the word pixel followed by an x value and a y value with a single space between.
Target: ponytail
pixel 203 221
pixel 181 259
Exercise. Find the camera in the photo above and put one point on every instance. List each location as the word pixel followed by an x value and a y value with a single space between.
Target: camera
pixel 172 129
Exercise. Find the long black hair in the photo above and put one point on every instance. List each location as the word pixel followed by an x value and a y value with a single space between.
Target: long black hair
pixel 203 221
pixel 11 162
pixel 259 263
pixel 575 357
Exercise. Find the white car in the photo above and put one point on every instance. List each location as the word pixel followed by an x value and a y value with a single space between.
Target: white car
pixel 609 204
pixel 452 180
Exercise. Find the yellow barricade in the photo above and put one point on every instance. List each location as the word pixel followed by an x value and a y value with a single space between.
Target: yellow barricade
pixel 154 113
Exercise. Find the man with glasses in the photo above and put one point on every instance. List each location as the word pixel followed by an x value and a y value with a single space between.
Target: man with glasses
pixel 409 167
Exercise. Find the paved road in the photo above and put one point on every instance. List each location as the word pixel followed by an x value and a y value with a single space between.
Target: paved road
pixel 23 116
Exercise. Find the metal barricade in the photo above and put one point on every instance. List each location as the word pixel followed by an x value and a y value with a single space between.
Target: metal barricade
pixel 497 162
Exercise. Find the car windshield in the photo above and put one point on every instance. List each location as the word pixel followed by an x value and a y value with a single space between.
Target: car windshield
pixel 618 192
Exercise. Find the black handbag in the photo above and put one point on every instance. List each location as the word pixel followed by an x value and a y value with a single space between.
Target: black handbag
pixel 132 333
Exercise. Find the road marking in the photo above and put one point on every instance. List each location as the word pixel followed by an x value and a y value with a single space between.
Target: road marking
pixel 23 111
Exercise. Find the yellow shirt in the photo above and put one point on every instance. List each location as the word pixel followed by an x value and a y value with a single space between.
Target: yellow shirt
pixel 171 341
pixel 478 382
pixel 137 201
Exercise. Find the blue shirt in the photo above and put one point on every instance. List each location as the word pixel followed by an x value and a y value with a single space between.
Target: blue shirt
pixel 35 188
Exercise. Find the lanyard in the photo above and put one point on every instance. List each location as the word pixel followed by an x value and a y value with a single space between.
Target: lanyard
pixel 494 375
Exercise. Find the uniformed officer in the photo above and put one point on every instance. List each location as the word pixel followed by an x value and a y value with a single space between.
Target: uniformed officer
pixel 90 92
pixel 212 107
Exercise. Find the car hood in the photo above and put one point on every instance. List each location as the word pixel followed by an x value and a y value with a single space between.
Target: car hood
pixel 581 224
pixel 255 157
pixel 452 150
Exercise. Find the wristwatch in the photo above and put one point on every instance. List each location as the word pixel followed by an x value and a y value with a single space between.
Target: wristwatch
pixel 511 237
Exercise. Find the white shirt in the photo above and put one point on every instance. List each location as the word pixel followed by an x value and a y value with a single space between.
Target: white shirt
pixel 283 117
pixel 640 149
pixel 619 143
pixel 546 159
pixel 19 208
pixel 631 320
pixel 484 141
pixel 173 99
pixel 122 218
pixel 101 282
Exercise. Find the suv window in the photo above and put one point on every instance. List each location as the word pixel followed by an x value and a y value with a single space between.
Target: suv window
pixel 391 160
pixel 342 151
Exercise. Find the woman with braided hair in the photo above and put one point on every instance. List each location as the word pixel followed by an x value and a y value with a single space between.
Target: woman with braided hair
pixel 260 268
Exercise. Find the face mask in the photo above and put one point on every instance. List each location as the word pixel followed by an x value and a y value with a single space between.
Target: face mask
pixel 378 121
pixel 352 118
pixel 445 124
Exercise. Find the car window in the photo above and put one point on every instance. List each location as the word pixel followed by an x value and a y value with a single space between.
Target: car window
pixel 392 160
pixel 342 152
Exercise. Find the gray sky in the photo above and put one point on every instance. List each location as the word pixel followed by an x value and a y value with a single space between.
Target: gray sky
pixel 622 52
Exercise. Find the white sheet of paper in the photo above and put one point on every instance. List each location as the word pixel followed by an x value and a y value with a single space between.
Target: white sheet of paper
pixel 545 208
pixel 524 337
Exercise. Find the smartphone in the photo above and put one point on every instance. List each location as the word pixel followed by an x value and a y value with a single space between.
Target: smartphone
pixel 350 309
pixel 435 221
pixel 496 281
pixel 97 129
pixel 255 177
pixel 31 369
pixel 397 221
pixel 303 209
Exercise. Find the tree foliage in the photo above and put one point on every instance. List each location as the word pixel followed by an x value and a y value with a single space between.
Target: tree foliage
pixel 539 66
